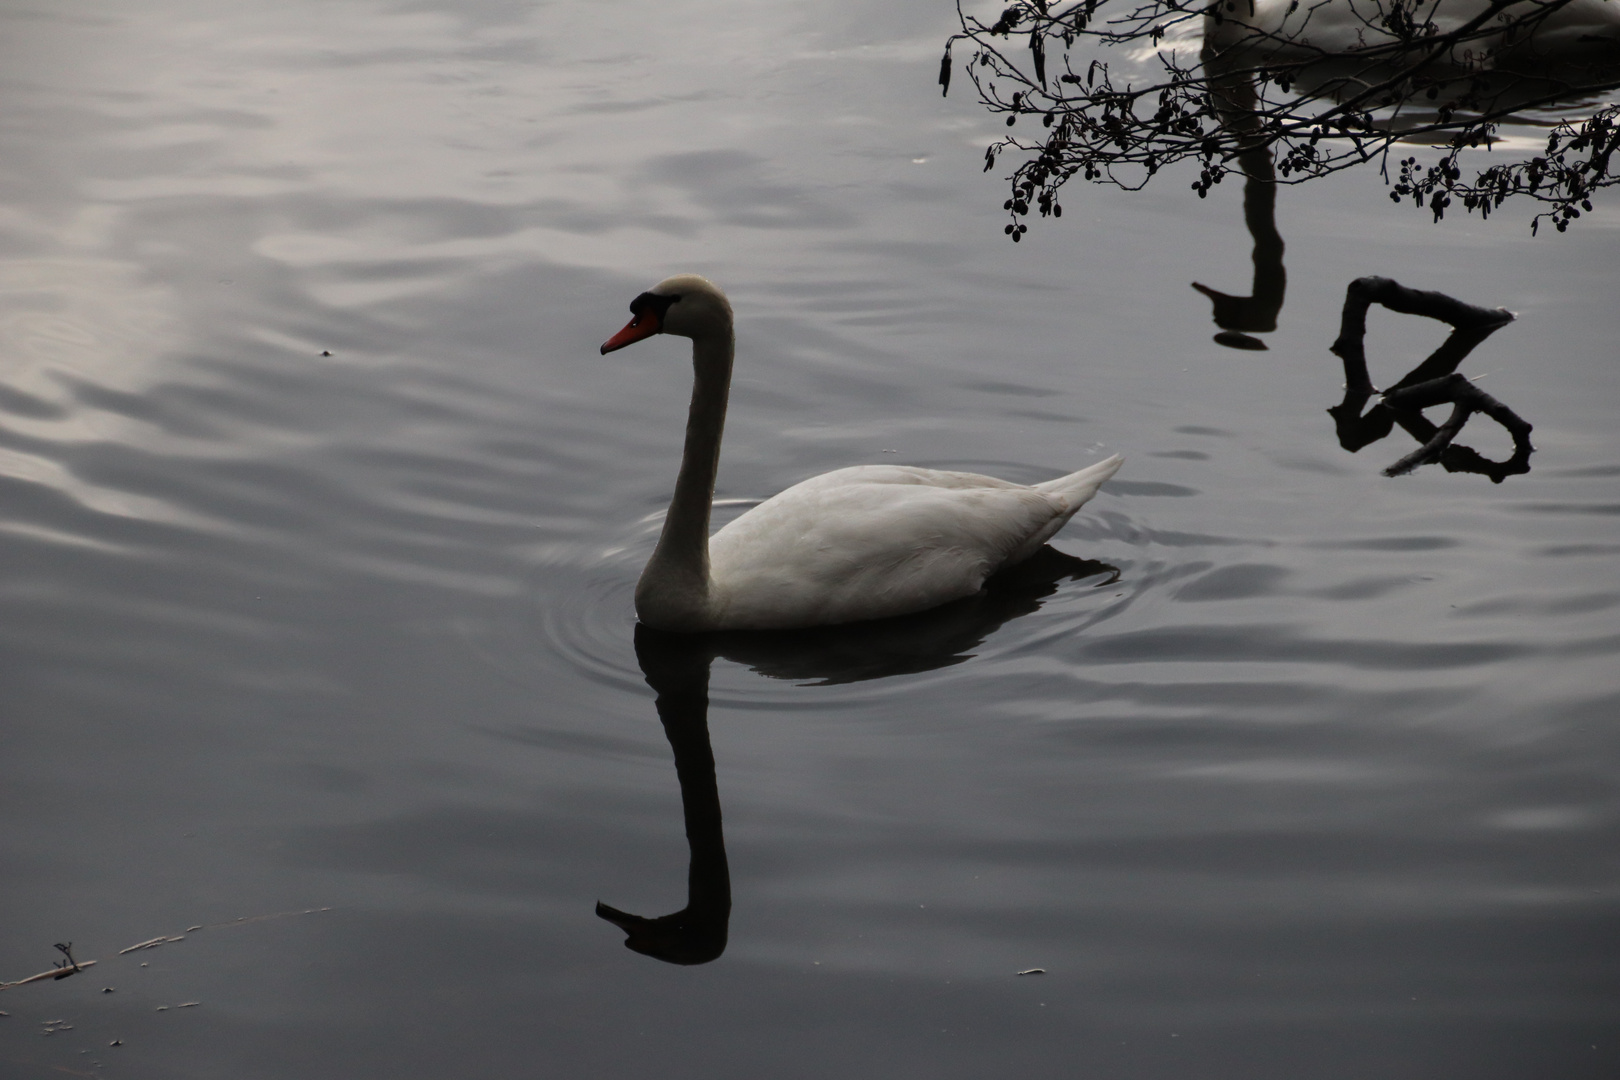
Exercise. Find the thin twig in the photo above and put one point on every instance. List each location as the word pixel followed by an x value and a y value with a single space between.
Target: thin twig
pixel 54 973
pixel 72 967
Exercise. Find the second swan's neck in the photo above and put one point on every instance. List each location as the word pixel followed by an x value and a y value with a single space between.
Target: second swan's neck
pixel 673 593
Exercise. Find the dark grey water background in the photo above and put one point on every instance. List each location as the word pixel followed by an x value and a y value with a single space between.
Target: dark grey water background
pixel 1324 786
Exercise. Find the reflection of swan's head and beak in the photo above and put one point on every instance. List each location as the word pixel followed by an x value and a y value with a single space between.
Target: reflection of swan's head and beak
pixel 676 666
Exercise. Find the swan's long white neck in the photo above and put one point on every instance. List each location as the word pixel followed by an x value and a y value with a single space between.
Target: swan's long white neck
pixel 674 590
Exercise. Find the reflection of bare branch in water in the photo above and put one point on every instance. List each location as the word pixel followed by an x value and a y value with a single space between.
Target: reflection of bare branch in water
pixel 1432 382
pixel 1338 84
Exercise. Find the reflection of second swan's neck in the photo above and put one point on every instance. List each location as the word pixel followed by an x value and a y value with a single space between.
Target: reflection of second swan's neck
pixel 1257 312
pixel 677 668
pixel 1239 316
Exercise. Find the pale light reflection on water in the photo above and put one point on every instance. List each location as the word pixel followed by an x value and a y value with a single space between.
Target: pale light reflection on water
pixel 1324 784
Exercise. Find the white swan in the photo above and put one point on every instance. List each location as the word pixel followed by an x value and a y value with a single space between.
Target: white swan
pixel 860 543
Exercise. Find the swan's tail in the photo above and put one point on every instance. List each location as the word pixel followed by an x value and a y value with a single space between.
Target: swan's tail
pixel 1075 490
pixel 1079 487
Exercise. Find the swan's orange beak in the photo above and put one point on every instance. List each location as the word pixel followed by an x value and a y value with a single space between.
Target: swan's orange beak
pixel 644 325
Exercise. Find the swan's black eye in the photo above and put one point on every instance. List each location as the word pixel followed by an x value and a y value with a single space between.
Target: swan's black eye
pixel 654 303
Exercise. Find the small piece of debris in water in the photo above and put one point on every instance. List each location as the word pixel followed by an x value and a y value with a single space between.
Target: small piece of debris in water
pixel 108 989
pixel 1033 971
pixel 116 1042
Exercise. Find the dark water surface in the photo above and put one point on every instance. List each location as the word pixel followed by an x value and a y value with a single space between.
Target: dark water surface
pixel 1325 784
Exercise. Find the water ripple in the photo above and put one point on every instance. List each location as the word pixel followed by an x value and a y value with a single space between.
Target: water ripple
pixel 1285 644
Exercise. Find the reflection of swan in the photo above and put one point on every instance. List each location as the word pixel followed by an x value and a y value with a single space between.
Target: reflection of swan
pixel 910 643
pixel 1303 29
pixel 677 668
pixel 1239 317
pixel 861 543
pixel 1341 48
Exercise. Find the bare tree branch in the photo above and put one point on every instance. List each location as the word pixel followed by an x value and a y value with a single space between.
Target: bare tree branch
pixel 1312 86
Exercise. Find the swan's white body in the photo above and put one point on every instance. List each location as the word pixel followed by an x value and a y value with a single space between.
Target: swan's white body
pixel 879 540
pixel 1575 30
pixel 867 542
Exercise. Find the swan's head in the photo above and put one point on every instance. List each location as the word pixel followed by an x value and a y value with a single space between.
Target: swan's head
pixel 686 305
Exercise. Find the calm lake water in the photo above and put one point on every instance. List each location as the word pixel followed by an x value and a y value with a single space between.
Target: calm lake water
pixel 1324 783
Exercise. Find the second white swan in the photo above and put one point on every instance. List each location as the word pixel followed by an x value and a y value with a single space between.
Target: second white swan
pixel 866 542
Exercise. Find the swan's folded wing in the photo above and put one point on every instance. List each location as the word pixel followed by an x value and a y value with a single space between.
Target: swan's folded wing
pixel 864 546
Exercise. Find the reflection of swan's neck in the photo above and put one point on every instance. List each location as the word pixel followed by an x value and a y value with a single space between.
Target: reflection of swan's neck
pixel 674 588
pixel 708 877
pixel 677 668
pixel 1236 103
